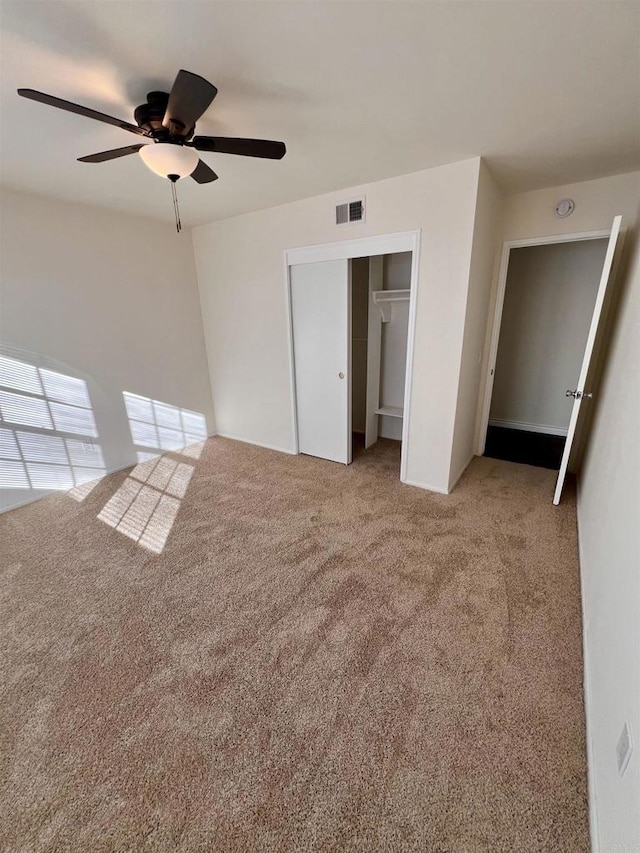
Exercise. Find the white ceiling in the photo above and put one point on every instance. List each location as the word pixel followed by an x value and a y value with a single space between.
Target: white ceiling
pixel 548 92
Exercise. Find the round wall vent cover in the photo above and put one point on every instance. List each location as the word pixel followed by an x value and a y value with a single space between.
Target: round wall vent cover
pixel 564 207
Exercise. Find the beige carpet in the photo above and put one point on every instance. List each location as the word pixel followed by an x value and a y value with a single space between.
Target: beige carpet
pixel 319 659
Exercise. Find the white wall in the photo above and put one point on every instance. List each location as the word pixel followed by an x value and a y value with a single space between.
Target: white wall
pixel 105 299
pixel 608 510
pixel 482 264
pixel 549 299
pixel 397 271
pixel 531 214
pixel 242 288
pixel 608 515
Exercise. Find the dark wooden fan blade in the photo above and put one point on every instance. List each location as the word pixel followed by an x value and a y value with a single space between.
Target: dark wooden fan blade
pixel 102 156
pixel 245 147
pixel 203 174
pixel 79 110
pixel 189 97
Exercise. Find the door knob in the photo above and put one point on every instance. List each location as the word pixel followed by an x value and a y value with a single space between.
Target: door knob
pixel 575 394
pixel 341 375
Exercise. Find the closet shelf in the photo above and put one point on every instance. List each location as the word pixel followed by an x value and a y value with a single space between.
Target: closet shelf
pixel 384 299
pixel 390 411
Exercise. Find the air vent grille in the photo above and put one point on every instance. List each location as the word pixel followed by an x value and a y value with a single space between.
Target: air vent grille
pixel 350 211
pixel 342 213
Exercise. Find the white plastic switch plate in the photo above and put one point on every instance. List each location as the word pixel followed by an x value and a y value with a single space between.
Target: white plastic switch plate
pixel 624 749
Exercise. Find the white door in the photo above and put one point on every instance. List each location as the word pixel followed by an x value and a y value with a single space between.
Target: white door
pixel 321 320
pixel 578 393
pixel 374 345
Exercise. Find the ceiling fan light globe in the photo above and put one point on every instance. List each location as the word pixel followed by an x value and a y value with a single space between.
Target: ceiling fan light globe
pixel 167 158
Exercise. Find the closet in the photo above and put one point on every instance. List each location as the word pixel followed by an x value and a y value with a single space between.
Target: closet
pixel 350 321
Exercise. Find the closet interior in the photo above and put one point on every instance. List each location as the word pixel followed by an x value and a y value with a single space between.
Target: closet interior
pixel 380 291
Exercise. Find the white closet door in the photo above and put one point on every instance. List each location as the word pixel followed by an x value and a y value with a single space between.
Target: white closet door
pixel 580 390
pixel 321 320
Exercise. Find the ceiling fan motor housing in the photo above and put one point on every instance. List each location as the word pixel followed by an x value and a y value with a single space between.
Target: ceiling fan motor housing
pixel 150 116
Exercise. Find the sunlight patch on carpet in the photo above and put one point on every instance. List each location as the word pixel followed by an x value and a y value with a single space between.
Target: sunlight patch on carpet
pixel 146 505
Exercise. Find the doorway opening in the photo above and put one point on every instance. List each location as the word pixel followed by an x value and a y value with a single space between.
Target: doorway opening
pixel 553 298
pixel 352 318
pixel 549 299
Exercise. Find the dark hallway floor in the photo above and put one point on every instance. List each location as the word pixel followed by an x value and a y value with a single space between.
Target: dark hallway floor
pixel 528 448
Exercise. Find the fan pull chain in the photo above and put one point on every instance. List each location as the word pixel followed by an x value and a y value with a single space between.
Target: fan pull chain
pixel 174 196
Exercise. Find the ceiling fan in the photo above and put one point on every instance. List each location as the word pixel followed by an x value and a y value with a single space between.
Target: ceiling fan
pixel 168 121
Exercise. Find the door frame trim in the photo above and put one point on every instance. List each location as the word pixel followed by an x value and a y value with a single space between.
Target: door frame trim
pixel 363 247
pixel 496 320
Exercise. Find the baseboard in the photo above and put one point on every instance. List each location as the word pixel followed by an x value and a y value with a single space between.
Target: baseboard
pixel 41 494
pixel 256 443
pixel 586 686
pixel 49 492
pixel 454 482
pixel 438 489
pixel 527 427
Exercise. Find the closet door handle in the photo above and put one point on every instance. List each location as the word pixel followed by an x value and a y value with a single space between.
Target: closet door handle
pixel 341 375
